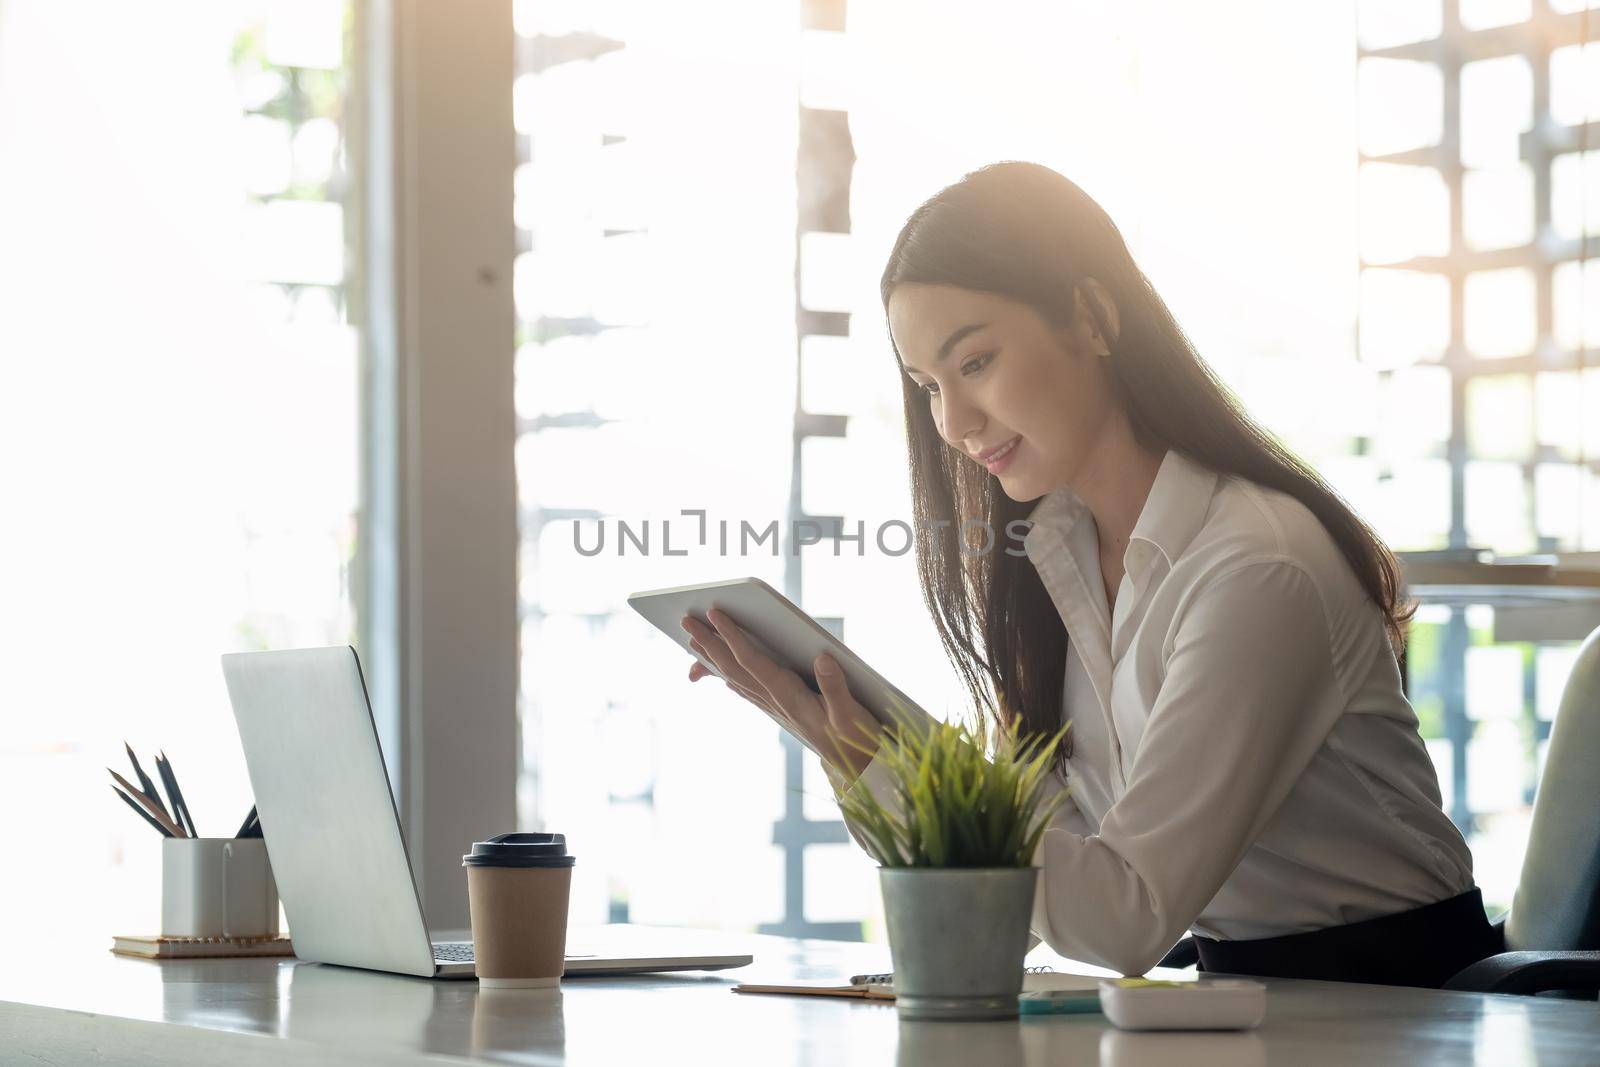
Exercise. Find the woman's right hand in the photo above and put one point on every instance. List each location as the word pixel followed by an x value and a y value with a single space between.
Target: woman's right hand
pixel 831 722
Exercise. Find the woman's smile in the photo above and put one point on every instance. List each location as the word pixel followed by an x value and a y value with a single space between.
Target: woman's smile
pixel 999 459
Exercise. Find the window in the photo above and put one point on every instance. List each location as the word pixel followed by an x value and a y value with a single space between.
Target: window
pixel 1488 296
pixel 654 376
pixel 705 201
pixel 177 412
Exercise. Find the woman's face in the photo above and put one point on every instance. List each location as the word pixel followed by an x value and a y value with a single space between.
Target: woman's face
pixel 998 377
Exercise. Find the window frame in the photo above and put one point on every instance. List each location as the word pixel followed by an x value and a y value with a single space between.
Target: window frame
pixel 434 242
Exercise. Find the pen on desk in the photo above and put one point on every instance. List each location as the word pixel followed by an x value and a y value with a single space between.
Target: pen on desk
pixel 151 807
pixel 248 824
pixel 145 815
pixel 180 809
pixel 146 786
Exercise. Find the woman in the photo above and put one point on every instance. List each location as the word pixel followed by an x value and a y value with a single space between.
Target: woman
pixel 1220 629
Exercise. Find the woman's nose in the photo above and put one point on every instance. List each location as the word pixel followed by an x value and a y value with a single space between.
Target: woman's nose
pixel 959 421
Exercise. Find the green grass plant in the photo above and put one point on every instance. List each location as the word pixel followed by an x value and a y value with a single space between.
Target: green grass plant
pixel 967 796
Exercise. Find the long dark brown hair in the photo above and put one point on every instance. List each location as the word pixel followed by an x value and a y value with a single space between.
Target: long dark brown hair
pixel 1025 232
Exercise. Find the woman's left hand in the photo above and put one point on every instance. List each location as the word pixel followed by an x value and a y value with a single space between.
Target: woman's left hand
pixel 831 722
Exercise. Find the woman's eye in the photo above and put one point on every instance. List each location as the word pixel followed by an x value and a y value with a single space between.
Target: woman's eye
pixel 976 363
pixel 970 367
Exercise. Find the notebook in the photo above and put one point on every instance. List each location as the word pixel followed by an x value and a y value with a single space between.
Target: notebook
pixel 881 987
pixel 173 948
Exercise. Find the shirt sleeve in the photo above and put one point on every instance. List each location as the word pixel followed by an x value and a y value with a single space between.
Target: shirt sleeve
pixel 1248 697
pixel 1068 818
pixel 874 778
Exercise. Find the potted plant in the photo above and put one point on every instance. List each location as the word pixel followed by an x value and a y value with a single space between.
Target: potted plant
pixel 955 842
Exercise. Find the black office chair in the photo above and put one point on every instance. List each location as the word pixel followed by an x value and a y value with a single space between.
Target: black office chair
pixel 1551 935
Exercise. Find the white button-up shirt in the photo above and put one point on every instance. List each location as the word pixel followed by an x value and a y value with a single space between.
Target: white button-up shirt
pixel 1245 763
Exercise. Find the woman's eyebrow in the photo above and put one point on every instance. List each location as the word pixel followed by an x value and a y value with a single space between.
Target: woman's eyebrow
pixel 949 343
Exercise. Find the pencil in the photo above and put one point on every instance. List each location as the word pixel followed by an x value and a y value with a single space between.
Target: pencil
pixel 154 809
pixel 145 815
pixel 146 786
pixel 180 808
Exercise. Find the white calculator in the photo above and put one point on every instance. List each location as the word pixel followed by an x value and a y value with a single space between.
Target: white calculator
pixel 1149 1004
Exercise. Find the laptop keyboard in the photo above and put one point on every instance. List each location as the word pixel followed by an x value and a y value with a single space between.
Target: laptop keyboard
pixel 452 951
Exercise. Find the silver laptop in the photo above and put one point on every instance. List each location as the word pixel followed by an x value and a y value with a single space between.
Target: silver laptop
pixel 322 794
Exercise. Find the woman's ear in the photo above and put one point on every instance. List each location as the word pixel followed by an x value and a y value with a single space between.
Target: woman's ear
pixel 1091 289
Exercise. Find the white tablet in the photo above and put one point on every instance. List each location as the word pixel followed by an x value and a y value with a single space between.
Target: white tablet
pixel 781 630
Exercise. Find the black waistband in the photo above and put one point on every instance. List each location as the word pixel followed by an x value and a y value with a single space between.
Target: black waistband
pixel 1421 947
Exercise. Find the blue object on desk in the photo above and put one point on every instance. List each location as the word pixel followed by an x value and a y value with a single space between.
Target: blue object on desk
pixel 1059 1002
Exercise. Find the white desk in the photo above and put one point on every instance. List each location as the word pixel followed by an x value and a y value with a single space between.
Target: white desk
pixel 96 1007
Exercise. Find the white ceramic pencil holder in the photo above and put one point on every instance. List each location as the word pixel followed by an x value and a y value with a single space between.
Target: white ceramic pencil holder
pixel 217 887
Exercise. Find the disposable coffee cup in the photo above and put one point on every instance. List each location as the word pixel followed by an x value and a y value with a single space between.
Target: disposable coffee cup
pixel 517 889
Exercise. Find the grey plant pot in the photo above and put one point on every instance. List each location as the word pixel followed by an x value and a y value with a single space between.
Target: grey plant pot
pixel 957 937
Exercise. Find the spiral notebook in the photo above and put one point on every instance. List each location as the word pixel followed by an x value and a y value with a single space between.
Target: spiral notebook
pixel 881 986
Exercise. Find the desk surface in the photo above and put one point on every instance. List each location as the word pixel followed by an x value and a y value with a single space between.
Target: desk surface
pixel 96 1007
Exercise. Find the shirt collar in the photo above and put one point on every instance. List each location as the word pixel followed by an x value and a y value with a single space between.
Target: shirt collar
pixel 1173 513
pixel 1176 507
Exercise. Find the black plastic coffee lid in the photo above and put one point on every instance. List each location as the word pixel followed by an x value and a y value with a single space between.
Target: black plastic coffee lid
pixel 520 850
